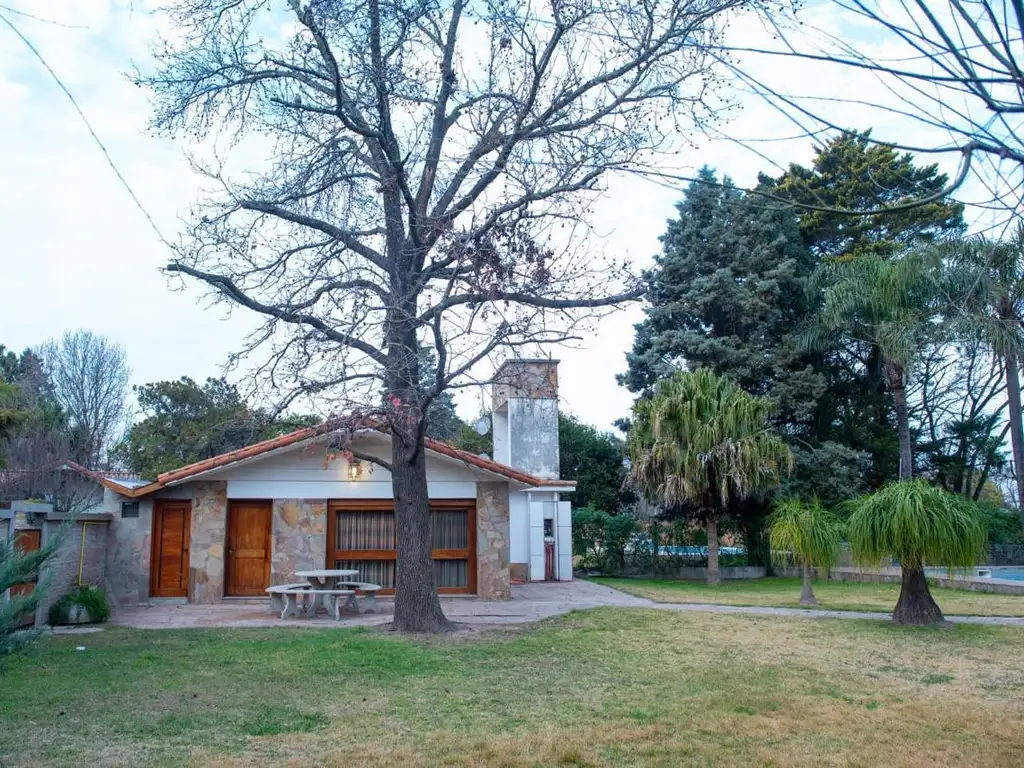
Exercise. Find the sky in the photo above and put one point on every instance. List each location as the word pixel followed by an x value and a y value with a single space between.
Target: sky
pixel 77 253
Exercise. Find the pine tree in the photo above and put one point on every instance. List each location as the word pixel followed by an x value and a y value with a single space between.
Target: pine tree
pixel 850 172
pixel 725 292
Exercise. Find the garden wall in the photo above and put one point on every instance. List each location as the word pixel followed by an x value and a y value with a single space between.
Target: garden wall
pixel 81 557
pixel 697 573
pixel 893 576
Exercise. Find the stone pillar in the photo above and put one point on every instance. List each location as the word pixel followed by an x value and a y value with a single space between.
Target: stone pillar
pixel 492 545
pixel 129 552
pixel 207 541
pixel 300 538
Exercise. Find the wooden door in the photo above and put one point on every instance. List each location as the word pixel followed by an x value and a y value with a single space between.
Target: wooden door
pixel 248 559
pixel 171 523
pixel 26 540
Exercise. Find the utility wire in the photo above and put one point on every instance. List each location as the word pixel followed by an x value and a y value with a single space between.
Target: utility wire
pixel 85 120
pixel 39 18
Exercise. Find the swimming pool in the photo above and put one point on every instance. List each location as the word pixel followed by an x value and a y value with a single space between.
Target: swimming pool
pixel 1013 572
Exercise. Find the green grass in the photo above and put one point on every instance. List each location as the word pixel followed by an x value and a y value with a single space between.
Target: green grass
pixel 606 687
pixel 832 595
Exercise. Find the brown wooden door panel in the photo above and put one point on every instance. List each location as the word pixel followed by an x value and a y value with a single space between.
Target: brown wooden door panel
pixel 171 523
pixel 248 556
pixel 26 540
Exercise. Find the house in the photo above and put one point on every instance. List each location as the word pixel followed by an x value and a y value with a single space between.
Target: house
pixel 236 523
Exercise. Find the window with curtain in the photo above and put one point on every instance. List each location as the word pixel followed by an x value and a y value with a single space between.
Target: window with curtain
pixel 361 537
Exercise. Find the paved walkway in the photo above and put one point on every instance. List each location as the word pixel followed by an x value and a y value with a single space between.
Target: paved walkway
pixel 529 603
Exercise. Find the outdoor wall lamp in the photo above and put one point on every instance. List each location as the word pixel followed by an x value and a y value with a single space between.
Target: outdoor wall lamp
pixel 355 470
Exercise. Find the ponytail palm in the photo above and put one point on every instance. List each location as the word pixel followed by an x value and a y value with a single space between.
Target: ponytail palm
pixel 917 524
pixel 809 534
pixel 701 441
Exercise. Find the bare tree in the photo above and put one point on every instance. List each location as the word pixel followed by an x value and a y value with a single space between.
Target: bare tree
pixel 941 79
pixel 433 164
pixel 89 374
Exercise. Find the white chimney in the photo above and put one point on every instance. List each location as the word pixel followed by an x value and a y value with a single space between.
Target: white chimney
pixel 525 416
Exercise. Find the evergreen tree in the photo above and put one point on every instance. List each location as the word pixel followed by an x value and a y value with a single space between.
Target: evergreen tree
pixel 851 173
pixel 594 460
pixel 443 423
pixel 29 413
pixel 186 422
pixel 725 292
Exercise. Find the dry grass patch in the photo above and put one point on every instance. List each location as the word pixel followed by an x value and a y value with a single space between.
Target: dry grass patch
pixel 607 687
pixel 832 595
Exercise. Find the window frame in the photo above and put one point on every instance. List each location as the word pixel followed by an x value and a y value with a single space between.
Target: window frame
pixel 332 555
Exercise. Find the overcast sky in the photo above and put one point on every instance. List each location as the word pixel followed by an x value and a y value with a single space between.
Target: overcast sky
pixel 77 253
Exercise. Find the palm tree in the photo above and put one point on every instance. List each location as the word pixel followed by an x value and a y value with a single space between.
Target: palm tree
pixel 701 441
pixel 809 534
pixel 917 524
pixel 887 304
pixel 985 283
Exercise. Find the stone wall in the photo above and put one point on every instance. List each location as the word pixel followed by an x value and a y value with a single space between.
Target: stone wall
pixel 530 379
pixel 206 546
pixel 129 552
pixel 492 541
pixel 300 538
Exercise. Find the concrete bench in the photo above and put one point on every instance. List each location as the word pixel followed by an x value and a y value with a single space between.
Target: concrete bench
pixel 369 592
pixel 291 597
pixel 277 594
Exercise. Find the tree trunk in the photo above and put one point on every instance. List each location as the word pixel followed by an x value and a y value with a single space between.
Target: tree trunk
pixel 916 606
pixel 899 394
pixel 714 578
pixel 806 591
pixel 1016 427
pixel 417 607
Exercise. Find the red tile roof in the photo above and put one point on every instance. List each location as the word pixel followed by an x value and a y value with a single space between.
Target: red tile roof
pixel 298 436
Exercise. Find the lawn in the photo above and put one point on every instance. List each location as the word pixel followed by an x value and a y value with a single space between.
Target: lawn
pixel 606 687
pixel 833 595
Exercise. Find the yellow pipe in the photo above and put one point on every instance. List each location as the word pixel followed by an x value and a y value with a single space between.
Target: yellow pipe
pixel 81 553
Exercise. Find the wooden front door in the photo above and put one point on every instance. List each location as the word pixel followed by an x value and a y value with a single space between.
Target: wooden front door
pixel 171 523
pixel 26 540
pixel 248 560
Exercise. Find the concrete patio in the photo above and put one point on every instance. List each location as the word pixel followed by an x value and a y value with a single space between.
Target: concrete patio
pixel 530 602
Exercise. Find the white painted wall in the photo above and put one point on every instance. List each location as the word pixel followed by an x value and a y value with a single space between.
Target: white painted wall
pixel 563 541
pixel 533 436
pixel 499 435
pixel 519 527
pixel 309 473
pixel 527 512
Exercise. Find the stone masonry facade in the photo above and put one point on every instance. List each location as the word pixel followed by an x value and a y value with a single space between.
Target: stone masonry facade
pixel 492 543
pixel 129 553
pixel 208 536
pixel 299 538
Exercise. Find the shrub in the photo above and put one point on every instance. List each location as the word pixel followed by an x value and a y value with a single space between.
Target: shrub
pixel 1003 524
pixel 92 599
pixel 600 539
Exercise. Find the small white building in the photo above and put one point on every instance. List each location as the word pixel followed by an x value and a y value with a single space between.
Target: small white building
pixel 234 524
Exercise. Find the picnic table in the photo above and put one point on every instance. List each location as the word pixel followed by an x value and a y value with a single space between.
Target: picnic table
pixel 321 582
